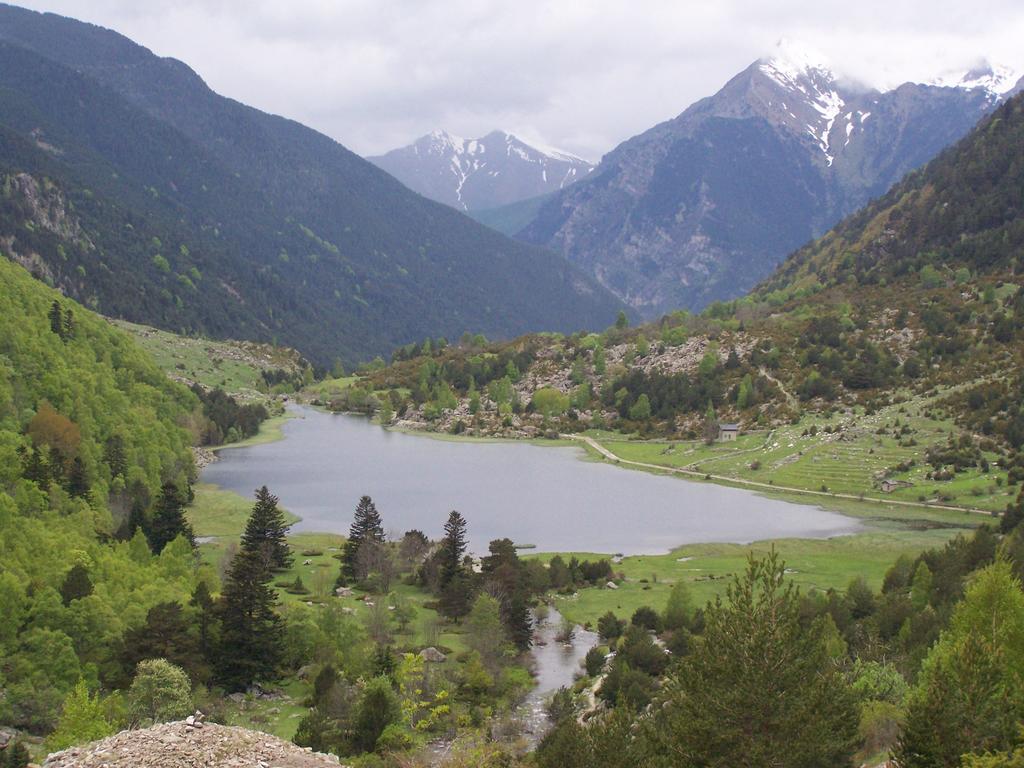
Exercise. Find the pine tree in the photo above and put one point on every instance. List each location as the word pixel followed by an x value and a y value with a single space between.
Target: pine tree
pixel 169 519
pixel 970 692
pixel 165 635
pixel 761 689
pixel 56 316
pixel 115 456
pixel 455 584
pixel 366 526
pixel 76 585
pixel 252 634
pixel 267 532
pixel 453 547
pixel 78 480
pixel 518 623
pixel 34 467
pixel 204 606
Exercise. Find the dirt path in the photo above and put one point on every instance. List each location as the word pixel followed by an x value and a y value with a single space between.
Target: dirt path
pixel 764 486
pixel 790 399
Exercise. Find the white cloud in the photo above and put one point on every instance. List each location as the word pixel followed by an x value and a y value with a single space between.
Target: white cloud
pixel 375 74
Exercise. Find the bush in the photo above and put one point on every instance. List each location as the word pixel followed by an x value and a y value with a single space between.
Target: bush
pixel 160 692
pixel 594 661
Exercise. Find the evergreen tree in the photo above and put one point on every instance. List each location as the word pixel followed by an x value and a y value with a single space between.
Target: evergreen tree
pixel 76 585
pixel 378 708
pixel 252 635
pixel 78 481
pixel 267 532
pixel 453 547
pixel 366 526
pixel 115 456
pixel 710 424
pixel 56 316
pixel 970 693
pixel 760 689
pixel 202 602
pixel 165 635
pixel 34 468
pixel 518 622
pixel 1013 516
pixel 169 519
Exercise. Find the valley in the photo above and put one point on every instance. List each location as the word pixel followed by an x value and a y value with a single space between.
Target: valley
pixel 473 453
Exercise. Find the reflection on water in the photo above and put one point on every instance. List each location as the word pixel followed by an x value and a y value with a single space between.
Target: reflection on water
pixel 544 496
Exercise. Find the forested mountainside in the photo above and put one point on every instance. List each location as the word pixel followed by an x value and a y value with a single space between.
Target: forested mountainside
pixel 479 174
pixel 94 439
pixel 703 206
pixel 131 186
pixel 919 295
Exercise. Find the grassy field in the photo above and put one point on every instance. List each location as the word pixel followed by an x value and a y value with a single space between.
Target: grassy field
pixel 708 568
pixel 850 460
pixel 330 387
pixel 233 366
pixel 216 512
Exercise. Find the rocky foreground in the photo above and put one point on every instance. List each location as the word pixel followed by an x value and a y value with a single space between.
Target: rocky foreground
pixel 185 744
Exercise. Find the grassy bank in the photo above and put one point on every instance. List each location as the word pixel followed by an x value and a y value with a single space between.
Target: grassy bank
pixel 707 568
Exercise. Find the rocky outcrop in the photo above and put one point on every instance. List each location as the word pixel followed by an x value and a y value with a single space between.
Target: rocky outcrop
pixel 186 745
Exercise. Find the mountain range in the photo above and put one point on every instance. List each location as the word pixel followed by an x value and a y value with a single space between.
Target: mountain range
pixel 478 174
pixel 136 189
pixel 703 206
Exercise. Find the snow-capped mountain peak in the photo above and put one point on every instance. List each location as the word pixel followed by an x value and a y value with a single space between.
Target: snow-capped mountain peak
pixel 996 80
pixel 813 97
pixel 472 174
pixel 790 64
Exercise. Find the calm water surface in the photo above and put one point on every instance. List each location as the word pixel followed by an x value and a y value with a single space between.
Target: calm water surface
pixel 531 494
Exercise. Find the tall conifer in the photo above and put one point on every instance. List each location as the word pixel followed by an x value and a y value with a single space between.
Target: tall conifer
pixel 366 526
pixel 267 531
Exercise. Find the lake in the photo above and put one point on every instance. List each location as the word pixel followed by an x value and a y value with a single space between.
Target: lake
pixel 532 494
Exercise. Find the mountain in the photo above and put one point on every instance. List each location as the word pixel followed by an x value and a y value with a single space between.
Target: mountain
pixel 476 174
pixel 132 186
pixel 914 304
pixel 702 207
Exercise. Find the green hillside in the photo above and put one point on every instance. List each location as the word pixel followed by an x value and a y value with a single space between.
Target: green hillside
pixel 90 428
pixel 136 189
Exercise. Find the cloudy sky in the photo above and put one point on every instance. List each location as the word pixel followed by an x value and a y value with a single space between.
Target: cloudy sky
pixel 375 74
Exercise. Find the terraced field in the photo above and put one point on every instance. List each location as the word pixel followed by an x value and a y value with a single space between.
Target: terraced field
pixel 850 454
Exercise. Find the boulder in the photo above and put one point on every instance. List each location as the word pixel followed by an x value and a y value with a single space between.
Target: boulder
pixel 433 655
pixel 611 585
pixel 343 592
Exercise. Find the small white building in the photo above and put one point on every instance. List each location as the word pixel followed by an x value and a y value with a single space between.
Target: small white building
pixel 728 432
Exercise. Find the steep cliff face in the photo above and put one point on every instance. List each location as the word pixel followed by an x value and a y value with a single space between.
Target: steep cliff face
pixel 703 206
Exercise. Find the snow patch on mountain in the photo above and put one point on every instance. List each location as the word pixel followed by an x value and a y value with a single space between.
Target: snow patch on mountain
pixel 464 172
pixel 996 80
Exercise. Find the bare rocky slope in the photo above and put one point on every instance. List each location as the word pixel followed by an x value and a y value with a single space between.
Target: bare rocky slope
pixel 185 745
